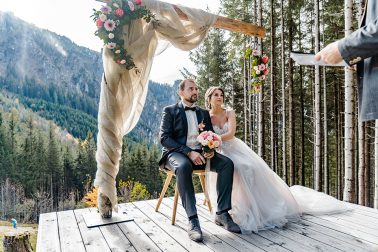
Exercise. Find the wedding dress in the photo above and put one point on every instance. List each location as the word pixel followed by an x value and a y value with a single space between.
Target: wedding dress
pixel 260 198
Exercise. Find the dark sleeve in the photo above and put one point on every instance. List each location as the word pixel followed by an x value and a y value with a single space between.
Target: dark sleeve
pixel 166 134
pixel 361 44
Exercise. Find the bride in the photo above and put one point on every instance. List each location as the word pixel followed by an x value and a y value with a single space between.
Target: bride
pixel 260 198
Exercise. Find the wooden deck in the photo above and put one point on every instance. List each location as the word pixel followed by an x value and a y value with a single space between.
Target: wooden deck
pixel 152 231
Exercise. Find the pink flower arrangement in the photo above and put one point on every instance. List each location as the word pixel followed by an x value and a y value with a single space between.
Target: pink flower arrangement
pixel 209 141
pixel 259 68
pixel 110 20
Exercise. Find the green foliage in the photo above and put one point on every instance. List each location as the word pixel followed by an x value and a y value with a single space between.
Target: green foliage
pixel 54 173
pixel 132 190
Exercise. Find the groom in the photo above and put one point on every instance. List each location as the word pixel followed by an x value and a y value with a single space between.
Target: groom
pixel 180 126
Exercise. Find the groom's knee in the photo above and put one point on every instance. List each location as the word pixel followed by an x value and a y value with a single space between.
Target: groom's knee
pixel 185 169
pixel 181 165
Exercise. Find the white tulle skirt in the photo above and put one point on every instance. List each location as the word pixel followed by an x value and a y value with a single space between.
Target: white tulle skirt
pixel 260 198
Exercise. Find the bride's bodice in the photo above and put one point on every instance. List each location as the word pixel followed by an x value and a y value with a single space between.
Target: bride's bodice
pixel 225 144
pixel 222 130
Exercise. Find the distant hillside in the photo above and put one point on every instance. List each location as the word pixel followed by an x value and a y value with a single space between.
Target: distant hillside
pixel 9 104
pixel 61 80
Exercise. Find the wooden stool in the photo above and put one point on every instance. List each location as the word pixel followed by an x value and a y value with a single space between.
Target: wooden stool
pixel 201 175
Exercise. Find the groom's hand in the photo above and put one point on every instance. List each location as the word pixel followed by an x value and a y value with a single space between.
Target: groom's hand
pixel 196 158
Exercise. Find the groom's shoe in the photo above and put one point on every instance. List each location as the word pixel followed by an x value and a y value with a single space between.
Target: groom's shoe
pixel 224 219
pixel 194 230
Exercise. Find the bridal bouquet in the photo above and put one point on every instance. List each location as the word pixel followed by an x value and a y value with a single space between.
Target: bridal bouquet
pixel 209 141
pixel 259 68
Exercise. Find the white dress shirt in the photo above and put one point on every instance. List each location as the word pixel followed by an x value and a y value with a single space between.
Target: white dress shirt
pixel 191 118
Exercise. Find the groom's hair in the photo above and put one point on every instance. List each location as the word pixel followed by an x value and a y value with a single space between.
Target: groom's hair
pixel 182 83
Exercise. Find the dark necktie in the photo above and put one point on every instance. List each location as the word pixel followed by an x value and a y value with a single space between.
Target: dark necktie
pixel 190 108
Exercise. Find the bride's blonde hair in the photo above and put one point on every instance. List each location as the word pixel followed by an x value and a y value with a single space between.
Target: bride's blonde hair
pixel 209 92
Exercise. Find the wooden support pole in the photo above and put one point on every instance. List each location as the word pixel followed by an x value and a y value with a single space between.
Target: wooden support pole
pixel 231 25
pixel 225 23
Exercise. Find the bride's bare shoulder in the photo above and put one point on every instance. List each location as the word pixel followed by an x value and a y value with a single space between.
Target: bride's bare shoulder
pixel 230 111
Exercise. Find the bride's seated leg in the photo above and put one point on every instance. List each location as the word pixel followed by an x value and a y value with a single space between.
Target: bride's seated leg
pixel 225 169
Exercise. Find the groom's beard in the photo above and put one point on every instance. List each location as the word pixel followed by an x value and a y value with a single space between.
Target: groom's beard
pixel 192 99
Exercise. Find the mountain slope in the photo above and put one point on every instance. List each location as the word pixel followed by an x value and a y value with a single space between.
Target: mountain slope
pixel 61 81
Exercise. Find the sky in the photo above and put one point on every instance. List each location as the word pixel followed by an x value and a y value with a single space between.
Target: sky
pixel 71 18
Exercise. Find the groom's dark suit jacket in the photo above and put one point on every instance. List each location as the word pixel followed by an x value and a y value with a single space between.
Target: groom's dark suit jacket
pixel 174 129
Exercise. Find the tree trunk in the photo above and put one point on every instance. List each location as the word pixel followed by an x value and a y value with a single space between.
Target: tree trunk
pixel 337 133
pixel 302 154
pixel 367 165
pixel 272 87
pixel 284 168
pixel 17 242
pixel 325 123
pixel 250 105
pixel 261 127
pixel 245 101
pixel 317 114
pixel 291 107
pixel 349 189
pixel 376 167
pixel 361 163
pixel 325 135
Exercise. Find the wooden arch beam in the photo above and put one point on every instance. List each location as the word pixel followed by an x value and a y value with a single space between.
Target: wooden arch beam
pixel 225 23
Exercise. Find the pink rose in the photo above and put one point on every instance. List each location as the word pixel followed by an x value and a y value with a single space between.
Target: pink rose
pixel 266 71
pixel 118 61
pixel 99 23
pixel 138 2
pixel 264 59
pixel 119 12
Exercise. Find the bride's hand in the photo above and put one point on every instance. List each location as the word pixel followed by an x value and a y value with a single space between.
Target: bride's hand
pixel 209 154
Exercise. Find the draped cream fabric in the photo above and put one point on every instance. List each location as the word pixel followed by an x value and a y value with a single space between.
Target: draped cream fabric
pixel 123 93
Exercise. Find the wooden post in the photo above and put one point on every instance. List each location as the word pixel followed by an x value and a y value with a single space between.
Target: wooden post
pixel 17 242
pixel 226 24
pixel 231 25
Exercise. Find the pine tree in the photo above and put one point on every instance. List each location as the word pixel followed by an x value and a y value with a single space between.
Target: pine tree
pixel 155 183
pixel 4 152
pixel 211 60
pixel 69 179
pixel 90 155
pixel 54 167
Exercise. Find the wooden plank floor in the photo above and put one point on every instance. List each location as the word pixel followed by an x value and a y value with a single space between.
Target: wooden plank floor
pixel 356 230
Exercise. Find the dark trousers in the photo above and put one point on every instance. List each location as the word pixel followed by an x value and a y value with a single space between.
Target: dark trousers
pixel 183 168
